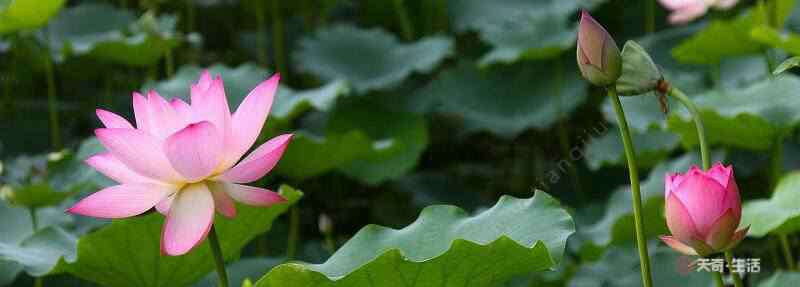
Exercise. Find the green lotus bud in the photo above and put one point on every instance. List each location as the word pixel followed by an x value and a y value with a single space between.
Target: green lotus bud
pixel 639 73
pixel 598 55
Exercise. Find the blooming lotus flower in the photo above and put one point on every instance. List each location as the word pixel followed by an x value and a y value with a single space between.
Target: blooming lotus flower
pixel 703 211
pixel 184 160
pixel 598 56
pixel 684 11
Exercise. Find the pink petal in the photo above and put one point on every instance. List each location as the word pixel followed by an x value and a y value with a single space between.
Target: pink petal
pixel 737 237
pixel 223 203
pixel 195 150
pixel 676 4
pixel 141 111
pixel 703 198
pixel 249 195
pixel 114 169
pixel 190 217
pixel 591 39
pixel 112 120
pixel 259 162
pixel 164 120
pixel 249 118
pixel 678 246
pixel 688 13
pixel 721 232
pixel 140 152
pixel 164 205
pixel 678 219
pixel 210 104
pixel 722 174
pixel 182 109
pixel 121 201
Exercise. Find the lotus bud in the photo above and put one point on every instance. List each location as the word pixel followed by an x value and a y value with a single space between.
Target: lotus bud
pixel 703 210
pixel 598 56
pixel 639 73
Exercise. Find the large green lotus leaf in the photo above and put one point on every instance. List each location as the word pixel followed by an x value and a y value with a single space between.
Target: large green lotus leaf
pixel 643 112
pixel 444 247
pixel 473 14
pixel 781 279
pixel 368 59
pixel 519 29
pixel 26 14
pixel 310 155
pixel 15 226
pixel 239 81
pixel 619 267
pixel 777 215
pixel 750 117
pixel 507 100
pixel 536 34
pixel 616 225
pixel 720 39
pixel 127 253
pixel 35 252
pixel 109 33
pixel 39 253
pixel 652 146
pixel 789 42
pixel 397 139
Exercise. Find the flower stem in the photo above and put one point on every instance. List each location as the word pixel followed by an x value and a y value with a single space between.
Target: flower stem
pixel 698 123
pixel 277 39
pixel 737 281
pixel 650 16
pixel 563 136
pixel 219 261
pixel 402 17
pixel 294 232
pixel 633 172
pixel 718 279
pixel 169 63
pixel 787 252
pixel 37 281
pixel 52 103
pixel 261 41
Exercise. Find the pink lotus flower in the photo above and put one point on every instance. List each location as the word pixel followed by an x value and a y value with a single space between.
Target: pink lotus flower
pixel 703 211
pixel 684 11
pixel 598 55
pixel 182 160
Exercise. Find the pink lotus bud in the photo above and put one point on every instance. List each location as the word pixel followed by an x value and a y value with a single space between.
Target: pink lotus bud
pixel 598 56
pixel 684 11
pixel 703 211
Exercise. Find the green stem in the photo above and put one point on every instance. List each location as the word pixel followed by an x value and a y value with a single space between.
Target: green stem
pixel 776 162
pixel 189 16
pixel 294 233
pixel 402 17
pixel 718 279
pixel 34 219
pixel 737 281
pixel 633 172
pixel 277 39
pixel 37 281
pixel 261 41
pixel 169 63
pixel 52 103
pixel 787 252
pixel 219 261
pixel 329 243
pixel 650 16
pixel 698 123
pixel 563 137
